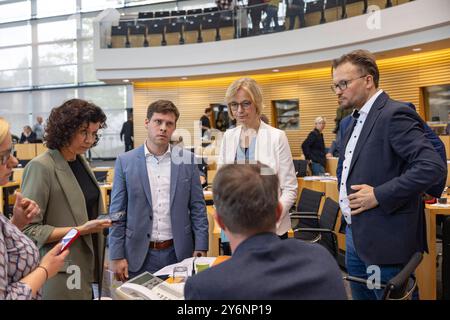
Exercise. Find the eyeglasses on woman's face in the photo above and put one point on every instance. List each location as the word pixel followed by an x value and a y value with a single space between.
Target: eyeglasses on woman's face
pixel 234 106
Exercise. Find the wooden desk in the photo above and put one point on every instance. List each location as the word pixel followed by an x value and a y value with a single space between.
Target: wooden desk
pixel 426 272
pixel 40 148
pixel 331 166
pixel 448 175
pixel 446 141
pixel 104 189
pixel 26 151
pixel 17 175
pixel 4 194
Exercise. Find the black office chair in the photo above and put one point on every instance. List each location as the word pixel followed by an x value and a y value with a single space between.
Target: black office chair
pixel 145 15
pixel 308 204
pixel 210 27
pixel 446 259
pixel 101 176
pixel 324 232
pixel 400 287
pixel 301 168
pixel 162 14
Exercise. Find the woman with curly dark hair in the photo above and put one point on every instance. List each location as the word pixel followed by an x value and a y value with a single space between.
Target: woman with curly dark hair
pixel 64 187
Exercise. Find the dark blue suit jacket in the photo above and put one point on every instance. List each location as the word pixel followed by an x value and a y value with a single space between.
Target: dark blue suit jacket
pixel 435 190
pixel 265 267
pixel 394 156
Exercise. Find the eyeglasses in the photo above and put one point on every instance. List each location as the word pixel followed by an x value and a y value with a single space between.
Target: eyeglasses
pixel 343 84
pixel 96 136
pixel 4 157
pixel 244 104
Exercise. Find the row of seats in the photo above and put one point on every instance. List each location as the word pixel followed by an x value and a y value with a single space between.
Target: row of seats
pixel 156 32
pixel 209 24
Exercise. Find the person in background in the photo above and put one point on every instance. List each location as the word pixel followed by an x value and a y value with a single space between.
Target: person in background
pixel 128 133
pixel 295 8
pixel 21 273
pixel 314 148
pixel 28 136
pixel 247 208
pixel 159 188
pixel 205 121
pixel 63 185
pixel 272 14
pixel 253 140
pixel 388 163
pixel 255 8
pixel 38 128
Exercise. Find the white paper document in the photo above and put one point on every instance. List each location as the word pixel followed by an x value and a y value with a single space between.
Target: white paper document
pixel 168 270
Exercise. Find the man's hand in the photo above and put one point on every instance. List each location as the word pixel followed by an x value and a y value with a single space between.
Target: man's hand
pixel 24 211
pixel 120 269
pixel 362 200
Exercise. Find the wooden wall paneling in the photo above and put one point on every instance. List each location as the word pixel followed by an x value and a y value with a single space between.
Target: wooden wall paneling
pixel 402 78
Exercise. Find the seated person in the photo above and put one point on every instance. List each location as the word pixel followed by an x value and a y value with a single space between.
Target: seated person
pixel 262 265
pixel 28 136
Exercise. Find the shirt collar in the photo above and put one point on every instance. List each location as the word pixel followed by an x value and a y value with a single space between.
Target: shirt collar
pixel 368 105
pixel 148 154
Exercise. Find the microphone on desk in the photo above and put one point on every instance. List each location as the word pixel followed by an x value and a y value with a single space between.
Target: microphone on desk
pixel 193 263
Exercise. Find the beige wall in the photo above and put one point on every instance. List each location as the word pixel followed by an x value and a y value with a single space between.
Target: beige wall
pixel 401 78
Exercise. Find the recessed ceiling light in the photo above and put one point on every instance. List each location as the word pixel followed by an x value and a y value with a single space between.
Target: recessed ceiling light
pixel 275 70
pixel 184 78
pixel 417 49
pixel 126 80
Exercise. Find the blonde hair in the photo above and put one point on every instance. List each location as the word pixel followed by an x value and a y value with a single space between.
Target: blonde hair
pixel 319 120
pixel 251 88
pixel 4 129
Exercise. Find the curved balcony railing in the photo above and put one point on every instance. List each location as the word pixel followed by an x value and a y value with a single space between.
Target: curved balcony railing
pixel 163 28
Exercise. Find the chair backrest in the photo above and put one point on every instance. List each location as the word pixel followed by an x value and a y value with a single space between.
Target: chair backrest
pixel 101 176
pixel 446 260
pixel 329 214
pixel 300 167
pixel 327 220
pixel 402 286
pixel 160 14
pixel 309 200
pixel 145 15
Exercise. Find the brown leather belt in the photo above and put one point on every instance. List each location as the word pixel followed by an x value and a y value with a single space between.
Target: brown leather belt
pixel 160 245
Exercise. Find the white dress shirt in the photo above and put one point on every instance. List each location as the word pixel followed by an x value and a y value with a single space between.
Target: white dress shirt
pixel 158 168
pixel 349 150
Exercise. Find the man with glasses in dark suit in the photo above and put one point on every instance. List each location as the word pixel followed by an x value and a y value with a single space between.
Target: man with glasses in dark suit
pixel 387 164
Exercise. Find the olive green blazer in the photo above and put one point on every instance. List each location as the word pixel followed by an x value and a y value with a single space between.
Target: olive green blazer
pixel 48 180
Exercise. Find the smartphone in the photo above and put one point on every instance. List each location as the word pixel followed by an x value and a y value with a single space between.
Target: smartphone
pixel 69 238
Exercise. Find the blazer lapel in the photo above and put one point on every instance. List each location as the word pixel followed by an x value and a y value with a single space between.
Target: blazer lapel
pixel 72 191
pixel 174 169
pixel 70 187
pixel 142 169
pixel 368 126
pixel 348 133
pixel 231 156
